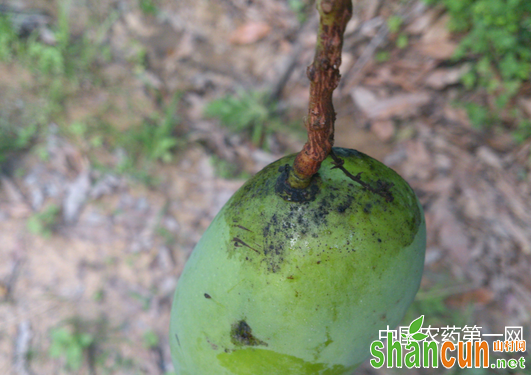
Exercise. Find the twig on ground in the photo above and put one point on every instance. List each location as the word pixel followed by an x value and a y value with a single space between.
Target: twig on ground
pixel 22 348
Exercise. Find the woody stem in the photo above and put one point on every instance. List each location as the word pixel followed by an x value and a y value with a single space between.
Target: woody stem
pixel 324 77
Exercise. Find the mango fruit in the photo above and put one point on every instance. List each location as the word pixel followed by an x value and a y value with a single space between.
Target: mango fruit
pixel 299 282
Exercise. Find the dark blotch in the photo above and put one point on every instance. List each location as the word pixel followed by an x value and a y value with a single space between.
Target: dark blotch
pixel 241 334
pixel 284 190
pixel 207 296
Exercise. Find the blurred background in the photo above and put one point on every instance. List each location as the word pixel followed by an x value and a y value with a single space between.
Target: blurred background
pixel 125 125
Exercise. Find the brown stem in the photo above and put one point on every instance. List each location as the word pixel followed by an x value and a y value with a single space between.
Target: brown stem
pixel 324 77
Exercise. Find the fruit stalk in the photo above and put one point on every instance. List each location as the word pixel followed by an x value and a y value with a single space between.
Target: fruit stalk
pixel 324 77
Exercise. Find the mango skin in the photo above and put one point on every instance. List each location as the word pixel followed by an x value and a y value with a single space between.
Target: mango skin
pixel 287 288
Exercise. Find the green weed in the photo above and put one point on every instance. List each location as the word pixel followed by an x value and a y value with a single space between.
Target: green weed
pixel 523 131
pixel 432 304
pixel 402 41
pixel 154 139
pixel 250 113
pixel 15 138
pixel 151 339
pixel 8 39
pixel 497 36
pixel 57 73
pixel 69 345
pixel 43 223
pixel 227 170
pixel 148 7
pixel 382 56
pixel 300 8
pixel 144 301
pixel 394 23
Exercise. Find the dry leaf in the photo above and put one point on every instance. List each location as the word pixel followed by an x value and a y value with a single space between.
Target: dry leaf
pixel 384 129
pixel 363 98
pixel 420 24
pixel 453 238
pixel 457 115
pixel 525 105
pixel 441 78
pixel 401 105
pixel 438 31
pixel 488 156
pixel 440 50
pixel 249 33
pixel 519 234
pixel 480 296
pixel 135 23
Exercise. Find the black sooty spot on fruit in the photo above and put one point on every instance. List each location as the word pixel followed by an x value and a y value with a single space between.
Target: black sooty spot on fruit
pixel 241 335
pixel 347 152
pixel 284 190
pixel 269 222
pixel 344 205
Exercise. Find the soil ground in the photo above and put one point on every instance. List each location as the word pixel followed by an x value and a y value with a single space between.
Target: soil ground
pixel 117 244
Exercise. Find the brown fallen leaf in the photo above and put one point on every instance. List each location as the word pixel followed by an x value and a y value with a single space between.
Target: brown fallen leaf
pixel 480 296
pixel 520 235
pixel 363 98
pixel 250 32
pixel 453 238
pixel 401 105
pixel 440 50
pixel 384 129
pixel 438 31
pixel 436 41
pixel 489 157
pixel 525 105
pixel 441 78
pixel 420 24
pixel 457 115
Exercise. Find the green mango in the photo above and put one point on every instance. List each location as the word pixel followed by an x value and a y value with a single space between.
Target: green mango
pixel 299 282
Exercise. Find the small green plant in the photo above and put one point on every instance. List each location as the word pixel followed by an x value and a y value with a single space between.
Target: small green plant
pixel 8 39
pixel 144 301
pixel 248 112
pixel 151 339
pixel 394 23
pixel 46 60
pixel 57 72
pixel 15 138
pixel 382 56
pixel 523 131
pixel 154 139
pixel 497 36
pixel 299 7
pixel 43 223
pixel 227 170
pixel 148 7
pixel 69 345
pixel 432 304
pixel 402 41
